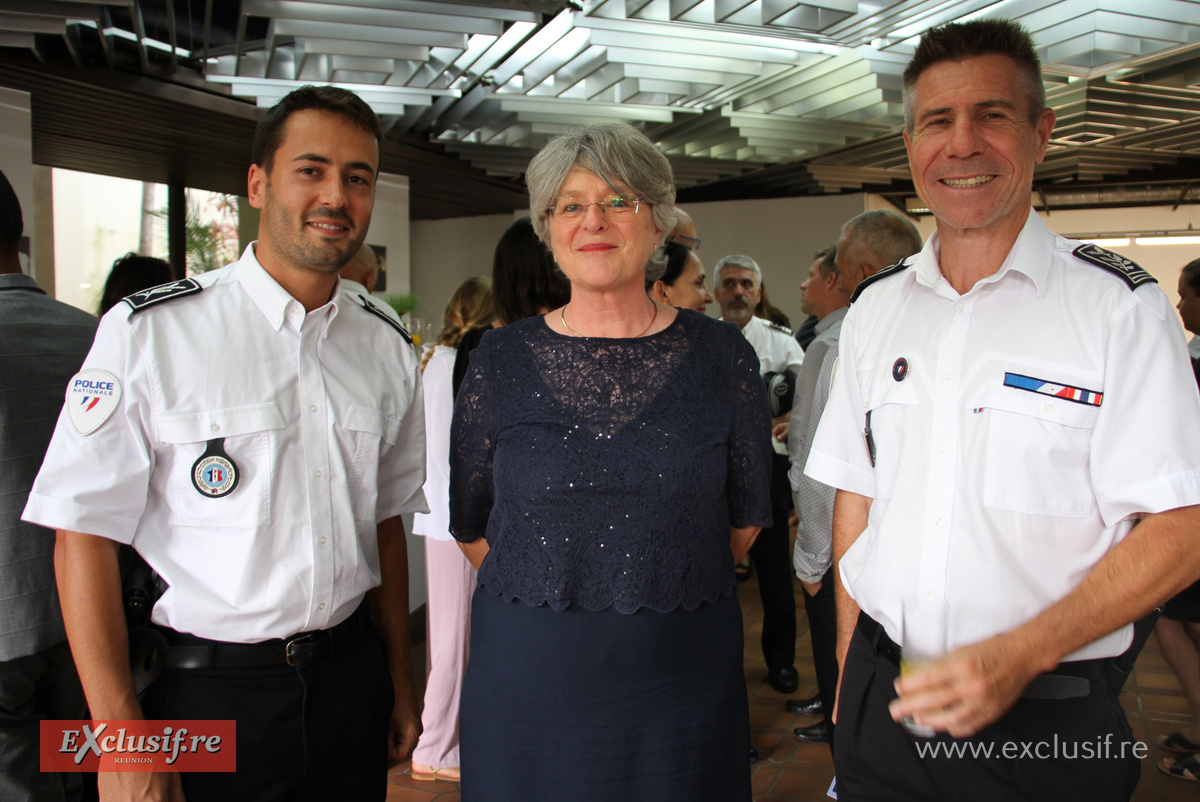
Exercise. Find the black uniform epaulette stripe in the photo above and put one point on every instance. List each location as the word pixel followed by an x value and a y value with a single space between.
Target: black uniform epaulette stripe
pixel 163 292
pixel 379 313
pixel 882 274
pixel 779 326
pixel 1126 269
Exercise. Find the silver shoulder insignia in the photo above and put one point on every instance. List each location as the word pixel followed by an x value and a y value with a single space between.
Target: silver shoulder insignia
pixel 163 292
pixel 1127 270
pixel 891 270
pixel 379 313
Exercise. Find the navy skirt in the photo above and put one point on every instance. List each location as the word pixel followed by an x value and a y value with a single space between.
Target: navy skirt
pixel 582 706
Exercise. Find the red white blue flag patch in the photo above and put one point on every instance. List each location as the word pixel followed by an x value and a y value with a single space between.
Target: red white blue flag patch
pixel 1065 391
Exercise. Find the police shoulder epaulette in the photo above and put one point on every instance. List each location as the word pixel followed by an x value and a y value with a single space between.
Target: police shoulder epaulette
pixel 163 292
pixel 779 326
pixel 1127 270
pixel 379 313
pixel 891 270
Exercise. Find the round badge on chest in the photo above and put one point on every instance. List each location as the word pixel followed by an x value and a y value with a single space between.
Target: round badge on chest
pixel 900 369
pixel 215 475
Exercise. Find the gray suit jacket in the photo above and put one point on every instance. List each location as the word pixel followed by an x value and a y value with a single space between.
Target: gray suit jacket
pixel 42 344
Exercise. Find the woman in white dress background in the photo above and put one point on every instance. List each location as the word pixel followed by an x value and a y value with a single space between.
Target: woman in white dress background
pixel 449 577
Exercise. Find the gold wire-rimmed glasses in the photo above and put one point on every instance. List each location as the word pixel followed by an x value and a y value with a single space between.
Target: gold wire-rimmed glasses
pixel 616 206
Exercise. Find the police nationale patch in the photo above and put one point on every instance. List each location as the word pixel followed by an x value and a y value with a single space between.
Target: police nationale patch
pixel 1129 271
pixel 92 397
pixel 163 292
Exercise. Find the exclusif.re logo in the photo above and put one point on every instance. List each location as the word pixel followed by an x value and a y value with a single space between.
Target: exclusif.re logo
pixel 129 745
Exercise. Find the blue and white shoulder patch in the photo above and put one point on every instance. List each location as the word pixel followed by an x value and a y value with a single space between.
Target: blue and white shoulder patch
pixel 1125 269
pixel 891 270
pixel 379 313
pixel 163 292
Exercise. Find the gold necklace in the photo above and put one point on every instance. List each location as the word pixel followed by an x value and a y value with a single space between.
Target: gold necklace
pixel 563 316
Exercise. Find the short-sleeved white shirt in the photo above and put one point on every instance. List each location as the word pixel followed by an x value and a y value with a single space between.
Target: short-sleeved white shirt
pixel 320 412
pixel 998 499
pixel 775 346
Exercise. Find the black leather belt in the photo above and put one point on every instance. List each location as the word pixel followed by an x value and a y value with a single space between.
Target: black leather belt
pixel 1071 680
pixel 184 651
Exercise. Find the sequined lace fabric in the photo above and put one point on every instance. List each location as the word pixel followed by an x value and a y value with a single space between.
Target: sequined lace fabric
pixel 607 472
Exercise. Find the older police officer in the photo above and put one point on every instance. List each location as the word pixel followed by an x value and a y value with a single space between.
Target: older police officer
pixel 1002 431
pixel 255 434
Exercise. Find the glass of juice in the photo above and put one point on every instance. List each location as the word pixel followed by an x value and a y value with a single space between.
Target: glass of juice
pixel 922 640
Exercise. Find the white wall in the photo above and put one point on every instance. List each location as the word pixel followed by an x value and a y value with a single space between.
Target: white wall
pixel 445 253
pixel 780 234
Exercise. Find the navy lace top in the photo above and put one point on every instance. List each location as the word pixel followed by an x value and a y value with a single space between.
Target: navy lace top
pixel 607 472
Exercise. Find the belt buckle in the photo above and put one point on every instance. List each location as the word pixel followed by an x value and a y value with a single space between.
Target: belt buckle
pixel 294 652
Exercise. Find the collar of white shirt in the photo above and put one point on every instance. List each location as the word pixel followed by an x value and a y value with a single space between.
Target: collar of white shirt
pixel 1030 255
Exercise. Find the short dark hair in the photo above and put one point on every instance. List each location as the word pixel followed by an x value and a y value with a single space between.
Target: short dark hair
pixel 269 134
pixel 677 258
pixel 11 221
pixel 132 273
pixel 959 41
pixel 525 280
pixel 1191 275
pixel 828 257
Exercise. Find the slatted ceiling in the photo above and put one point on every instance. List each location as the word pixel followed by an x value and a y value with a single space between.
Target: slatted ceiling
pixel 732 82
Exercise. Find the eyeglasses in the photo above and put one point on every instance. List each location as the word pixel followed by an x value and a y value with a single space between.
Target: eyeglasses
pixel 691 242
pixel 616 207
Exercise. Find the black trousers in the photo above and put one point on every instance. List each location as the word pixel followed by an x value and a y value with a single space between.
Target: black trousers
pixel 318 732
pixel 38 686
pixel 773 564
pixel 1042 749
pixel 822 631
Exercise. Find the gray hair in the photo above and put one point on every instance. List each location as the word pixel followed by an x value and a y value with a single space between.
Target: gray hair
pixel 737 260
pixel 886 235
pixel 614 152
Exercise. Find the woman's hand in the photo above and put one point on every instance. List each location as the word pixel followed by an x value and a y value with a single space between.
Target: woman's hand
pixel 740 541
pixel 475 551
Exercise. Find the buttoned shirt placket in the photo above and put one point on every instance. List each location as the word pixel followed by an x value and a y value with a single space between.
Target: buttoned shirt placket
pixel 946 390
pixel 315 432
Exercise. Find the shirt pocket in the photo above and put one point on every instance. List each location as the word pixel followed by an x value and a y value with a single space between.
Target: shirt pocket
pixel 1038 449
pixel 249 434
pixel 365 436
pixel 888 402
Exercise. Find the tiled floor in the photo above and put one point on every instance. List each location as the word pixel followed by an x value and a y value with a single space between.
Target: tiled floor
pixel 801 772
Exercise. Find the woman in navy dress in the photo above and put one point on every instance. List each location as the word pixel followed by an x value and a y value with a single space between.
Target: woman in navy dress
pixel 610 463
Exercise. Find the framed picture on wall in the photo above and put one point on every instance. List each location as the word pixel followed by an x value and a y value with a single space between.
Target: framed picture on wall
pixel 381 255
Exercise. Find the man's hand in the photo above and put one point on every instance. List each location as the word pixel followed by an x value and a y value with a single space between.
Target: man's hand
pixel 404 728
pixel 780 431
pixel 139 786
pixel 967 689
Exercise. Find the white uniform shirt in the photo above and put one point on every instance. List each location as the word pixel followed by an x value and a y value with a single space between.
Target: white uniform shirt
pixel 775 345
pixel 439 411
pixel 996 499
pixel 320 413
